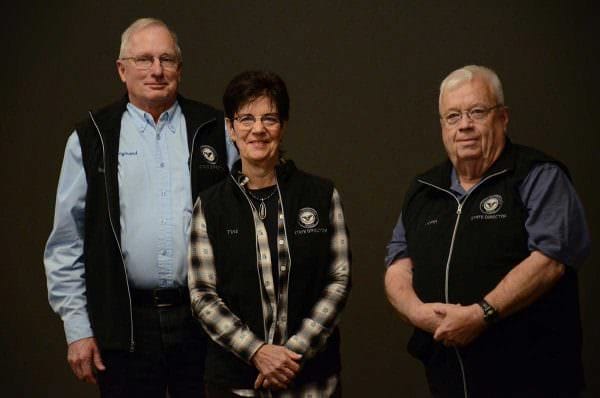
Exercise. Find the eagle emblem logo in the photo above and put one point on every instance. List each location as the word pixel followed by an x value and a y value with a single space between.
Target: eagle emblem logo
pixel 209 154
pixel 491 205
pixel 308 217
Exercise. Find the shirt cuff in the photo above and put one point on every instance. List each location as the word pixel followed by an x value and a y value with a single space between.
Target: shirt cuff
pixel 77 328
pixel 253 348
pixel 389 260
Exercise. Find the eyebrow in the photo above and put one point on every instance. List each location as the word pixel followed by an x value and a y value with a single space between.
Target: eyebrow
pixel 478 104
pixel 264 114
pixel 158 56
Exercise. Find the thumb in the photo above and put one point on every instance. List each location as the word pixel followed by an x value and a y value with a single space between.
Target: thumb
pixel 437 335
pixel 98 359
pixel 294 356
pixel 259 381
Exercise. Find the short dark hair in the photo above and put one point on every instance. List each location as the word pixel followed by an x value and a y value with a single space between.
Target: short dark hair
pixel 252 84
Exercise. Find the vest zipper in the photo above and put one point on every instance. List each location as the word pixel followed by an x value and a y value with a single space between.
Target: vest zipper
pixel 131 339
pixel 192 149
pixel 450 252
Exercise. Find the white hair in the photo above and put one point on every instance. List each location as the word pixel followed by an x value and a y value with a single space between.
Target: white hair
pixel 143 23
pixel 467 74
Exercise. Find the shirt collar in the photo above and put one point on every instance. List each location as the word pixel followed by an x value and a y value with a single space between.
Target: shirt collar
pixel 455 186
pixel 143 119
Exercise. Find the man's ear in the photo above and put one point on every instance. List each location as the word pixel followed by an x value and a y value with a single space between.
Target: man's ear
pixel 505 118
pixel 121 70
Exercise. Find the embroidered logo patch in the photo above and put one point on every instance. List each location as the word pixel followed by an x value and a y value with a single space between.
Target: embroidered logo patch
pixel 491 205
pixel 209 154
pixel 308 217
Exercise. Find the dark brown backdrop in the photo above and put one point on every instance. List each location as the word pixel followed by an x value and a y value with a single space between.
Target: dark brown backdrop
pixel 363 77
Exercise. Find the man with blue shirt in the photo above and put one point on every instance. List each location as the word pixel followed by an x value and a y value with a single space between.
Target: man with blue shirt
pixel 483 259
pixel 116 260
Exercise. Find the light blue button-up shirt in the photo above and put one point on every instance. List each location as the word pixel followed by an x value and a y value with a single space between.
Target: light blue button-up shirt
pixel 156 208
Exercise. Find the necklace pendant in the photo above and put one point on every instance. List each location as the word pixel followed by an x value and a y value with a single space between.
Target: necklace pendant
pixel 262 210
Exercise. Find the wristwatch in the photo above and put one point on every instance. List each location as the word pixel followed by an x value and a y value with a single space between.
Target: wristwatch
pixel 490 314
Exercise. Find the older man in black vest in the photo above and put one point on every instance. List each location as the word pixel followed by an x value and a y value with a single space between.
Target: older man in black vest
pixel 116 258
pixel 483 259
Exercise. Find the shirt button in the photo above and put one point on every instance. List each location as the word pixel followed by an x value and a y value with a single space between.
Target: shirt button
pixel 281 241
pixel 283 267
pixel 162 164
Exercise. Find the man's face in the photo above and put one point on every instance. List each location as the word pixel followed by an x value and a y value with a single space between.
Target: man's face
pixel 473 140
pixel 156 86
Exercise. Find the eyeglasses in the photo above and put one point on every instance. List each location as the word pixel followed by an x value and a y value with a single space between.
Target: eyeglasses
pixel 477 113
pixel 268 120
pixel 145 62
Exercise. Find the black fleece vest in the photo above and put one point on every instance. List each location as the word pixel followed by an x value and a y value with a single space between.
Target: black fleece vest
pixel 540 344
pixel 232 234
pixel 106 286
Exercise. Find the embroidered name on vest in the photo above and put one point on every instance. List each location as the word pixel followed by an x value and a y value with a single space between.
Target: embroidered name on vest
pixel 132 153
pixel 310 231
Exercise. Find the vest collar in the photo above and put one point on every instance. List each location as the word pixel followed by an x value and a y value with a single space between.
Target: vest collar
pixel 283 171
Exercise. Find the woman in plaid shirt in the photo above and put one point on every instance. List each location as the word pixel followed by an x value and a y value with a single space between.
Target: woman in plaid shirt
pixel 269 260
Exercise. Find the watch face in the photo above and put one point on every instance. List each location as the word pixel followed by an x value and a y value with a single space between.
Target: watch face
pixel 489 313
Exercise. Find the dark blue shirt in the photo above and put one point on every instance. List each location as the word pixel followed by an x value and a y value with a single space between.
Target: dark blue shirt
pixel 555 221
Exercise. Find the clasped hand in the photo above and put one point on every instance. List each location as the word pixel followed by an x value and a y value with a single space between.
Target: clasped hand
pixel 277 366
pixel 452 324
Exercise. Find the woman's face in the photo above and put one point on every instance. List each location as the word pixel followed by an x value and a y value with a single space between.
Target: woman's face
pixel 257 131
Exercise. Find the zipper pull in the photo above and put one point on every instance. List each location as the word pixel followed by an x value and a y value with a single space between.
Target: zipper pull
pixel 459 209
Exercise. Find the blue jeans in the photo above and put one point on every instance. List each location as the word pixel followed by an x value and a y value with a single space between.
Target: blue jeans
pixel 169 356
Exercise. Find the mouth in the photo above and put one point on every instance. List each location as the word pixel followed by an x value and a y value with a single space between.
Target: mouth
pixel 469 140
pixel 155 85
pixel 258 143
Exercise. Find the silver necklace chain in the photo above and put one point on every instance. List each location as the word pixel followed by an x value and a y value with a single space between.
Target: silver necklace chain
pixel 262 209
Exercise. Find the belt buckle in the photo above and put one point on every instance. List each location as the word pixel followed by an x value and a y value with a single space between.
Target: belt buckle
pixel 156 299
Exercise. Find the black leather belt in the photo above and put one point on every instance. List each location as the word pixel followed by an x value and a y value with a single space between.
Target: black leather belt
pixel 160 297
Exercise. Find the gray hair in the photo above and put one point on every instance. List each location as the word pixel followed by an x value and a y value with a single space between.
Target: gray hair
pixel 466 74
pixel 143 23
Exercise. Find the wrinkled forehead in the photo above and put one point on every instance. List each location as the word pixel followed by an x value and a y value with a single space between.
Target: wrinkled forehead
pixel 476 91
pixel 149 39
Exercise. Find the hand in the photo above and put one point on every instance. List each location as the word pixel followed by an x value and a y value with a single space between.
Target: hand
pixel 461 324
pixel 277 366
pixel 84 357
pixel 427 316
pixel 262 382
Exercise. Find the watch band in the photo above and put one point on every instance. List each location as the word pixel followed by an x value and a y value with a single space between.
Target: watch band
pixel 490 314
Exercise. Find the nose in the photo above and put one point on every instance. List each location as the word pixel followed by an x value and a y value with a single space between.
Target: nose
pixel 465 121
pixel 258 126
pixel 156 68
